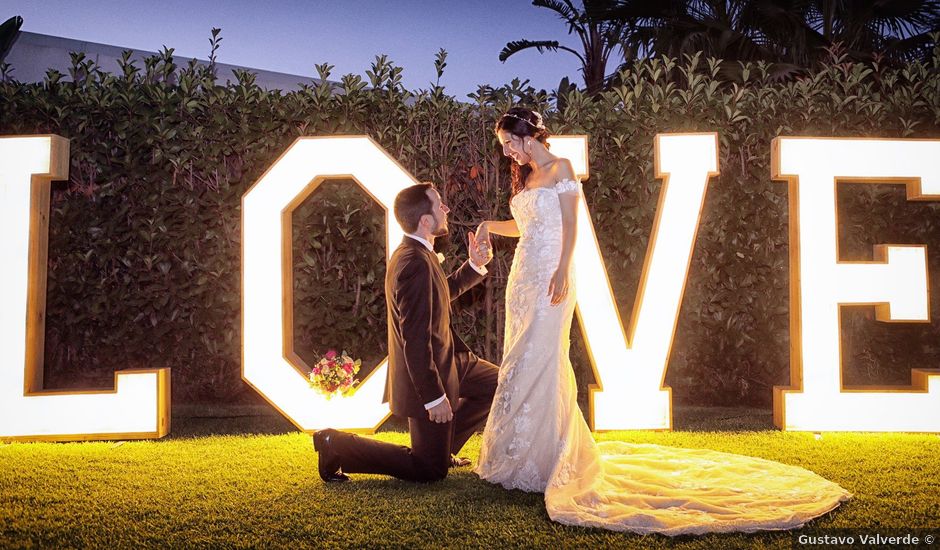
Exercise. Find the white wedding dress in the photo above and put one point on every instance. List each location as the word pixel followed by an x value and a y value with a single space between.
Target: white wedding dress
pixel 537 440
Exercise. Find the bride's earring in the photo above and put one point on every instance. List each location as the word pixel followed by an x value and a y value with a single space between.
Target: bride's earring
pixel 527 146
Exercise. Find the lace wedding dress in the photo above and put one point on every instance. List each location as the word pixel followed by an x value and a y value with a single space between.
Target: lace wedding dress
pixel 537 440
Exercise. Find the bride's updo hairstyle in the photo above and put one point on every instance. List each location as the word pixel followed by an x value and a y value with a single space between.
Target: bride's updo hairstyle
pixel 523 123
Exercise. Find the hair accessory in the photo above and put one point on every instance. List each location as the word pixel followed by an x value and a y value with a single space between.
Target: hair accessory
pixel 538 118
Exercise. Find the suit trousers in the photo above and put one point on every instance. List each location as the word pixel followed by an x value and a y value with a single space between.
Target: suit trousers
pixel 432 444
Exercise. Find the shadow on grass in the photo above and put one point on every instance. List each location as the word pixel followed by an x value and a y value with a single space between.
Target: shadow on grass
pixel 190 421
pixel 460 486
pixel 721 419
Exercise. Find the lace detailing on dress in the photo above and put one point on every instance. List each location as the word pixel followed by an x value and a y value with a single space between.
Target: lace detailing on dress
pixel 568 186
pixel 537 440
pixel 525 435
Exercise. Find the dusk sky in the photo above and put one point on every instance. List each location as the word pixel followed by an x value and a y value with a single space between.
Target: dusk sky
pixel 292 36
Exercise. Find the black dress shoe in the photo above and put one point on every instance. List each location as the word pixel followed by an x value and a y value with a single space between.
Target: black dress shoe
pixel 327 463
pixel 458 461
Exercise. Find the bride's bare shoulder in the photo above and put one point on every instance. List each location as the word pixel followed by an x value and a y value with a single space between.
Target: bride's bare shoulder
pixel 561 169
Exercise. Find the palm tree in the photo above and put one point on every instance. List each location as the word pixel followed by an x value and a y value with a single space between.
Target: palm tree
pixel 724 29
pixel 795 32
pixel 598 40
pixel 897 29
pixel 743 30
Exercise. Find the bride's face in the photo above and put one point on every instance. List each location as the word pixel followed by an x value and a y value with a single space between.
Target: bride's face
pixel 513 147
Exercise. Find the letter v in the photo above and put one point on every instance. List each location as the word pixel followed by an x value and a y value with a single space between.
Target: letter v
pixel 630 366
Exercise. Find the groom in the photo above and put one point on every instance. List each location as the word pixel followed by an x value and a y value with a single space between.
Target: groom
pixel 434 380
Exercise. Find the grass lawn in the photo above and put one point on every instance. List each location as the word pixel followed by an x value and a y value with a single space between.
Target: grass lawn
pixel 200 489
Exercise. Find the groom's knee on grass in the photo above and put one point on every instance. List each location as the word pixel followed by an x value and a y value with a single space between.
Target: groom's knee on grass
pixel 428 473
pixel 431 476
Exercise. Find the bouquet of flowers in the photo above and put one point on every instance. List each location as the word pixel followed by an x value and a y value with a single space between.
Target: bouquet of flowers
pixel 335 374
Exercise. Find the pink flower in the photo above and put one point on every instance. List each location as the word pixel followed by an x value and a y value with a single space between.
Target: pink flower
pixel 334 373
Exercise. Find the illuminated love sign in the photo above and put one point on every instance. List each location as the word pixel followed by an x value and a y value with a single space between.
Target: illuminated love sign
pixel 629 360
pixel 631 394
pixel 820 283
pixel 139 406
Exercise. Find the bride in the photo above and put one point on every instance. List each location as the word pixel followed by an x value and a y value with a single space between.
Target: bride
pixel 536 438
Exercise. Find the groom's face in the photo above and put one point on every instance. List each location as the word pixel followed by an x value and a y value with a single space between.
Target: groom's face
pixel 438 214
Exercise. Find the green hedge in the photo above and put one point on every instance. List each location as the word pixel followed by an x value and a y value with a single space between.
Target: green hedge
pixel 144 267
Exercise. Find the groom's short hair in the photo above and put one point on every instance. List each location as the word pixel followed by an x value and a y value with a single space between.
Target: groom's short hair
pixel 411 203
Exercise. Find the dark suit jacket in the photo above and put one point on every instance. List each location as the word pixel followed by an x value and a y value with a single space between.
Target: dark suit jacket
pixel 421 346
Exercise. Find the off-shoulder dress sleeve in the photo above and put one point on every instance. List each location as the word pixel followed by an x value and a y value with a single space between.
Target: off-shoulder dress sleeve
pixel 568 186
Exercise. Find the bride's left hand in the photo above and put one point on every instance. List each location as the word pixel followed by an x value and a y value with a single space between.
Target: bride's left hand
pixel 558 286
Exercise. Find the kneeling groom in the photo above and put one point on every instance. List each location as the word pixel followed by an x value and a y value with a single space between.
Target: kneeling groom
pixel 434 380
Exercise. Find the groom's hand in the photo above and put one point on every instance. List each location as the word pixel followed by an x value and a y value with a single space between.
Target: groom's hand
pixel 480 250
pixel 441 412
